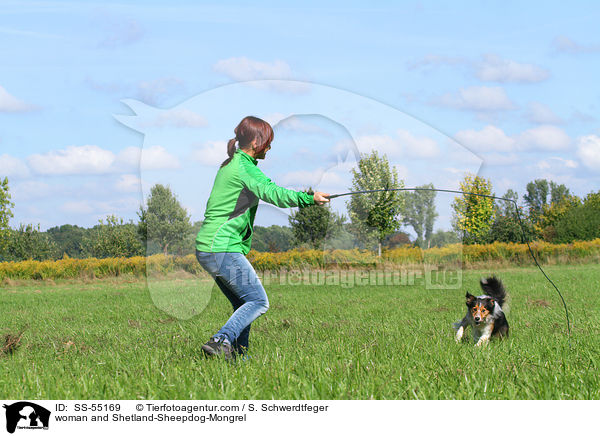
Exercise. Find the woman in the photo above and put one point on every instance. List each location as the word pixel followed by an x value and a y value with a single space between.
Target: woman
pixel 226 233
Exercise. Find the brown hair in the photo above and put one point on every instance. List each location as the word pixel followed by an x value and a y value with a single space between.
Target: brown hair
pixel 249 129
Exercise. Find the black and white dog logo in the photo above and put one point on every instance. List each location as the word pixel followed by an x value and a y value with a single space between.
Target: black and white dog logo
pixel 26 415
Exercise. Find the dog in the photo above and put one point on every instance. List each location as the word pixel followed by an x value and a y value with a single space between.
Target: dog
pixel 484 313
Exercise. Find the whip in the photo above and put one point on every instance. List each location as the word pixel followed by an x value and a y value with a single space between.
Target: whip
pixel 523 238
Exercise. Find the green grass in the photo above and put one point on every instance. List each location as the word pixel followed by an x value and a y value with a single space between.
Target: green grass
pixel 107 340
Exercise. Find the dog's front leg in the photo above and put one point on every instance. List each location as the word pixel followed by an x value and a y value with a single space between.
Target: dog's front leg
pixel 484 339
pixel 459 333
pixel 460 329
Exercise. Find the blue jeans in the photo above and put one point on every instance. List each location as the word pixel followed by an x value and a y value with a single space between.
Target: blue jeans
pixel 238 281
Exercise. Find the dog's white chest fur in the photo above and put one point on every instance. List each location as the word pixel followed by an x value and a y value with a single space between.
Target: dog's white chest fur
pixel 482 333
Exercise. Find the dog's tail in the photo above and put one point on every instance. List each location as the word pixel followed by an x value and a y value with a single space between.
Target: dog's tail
pixel 493 287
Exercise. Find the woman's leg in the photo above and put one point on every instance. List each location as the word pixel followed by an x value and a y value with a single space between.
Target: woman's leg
pixel 240 345
pixel 238 281
pixel 241 280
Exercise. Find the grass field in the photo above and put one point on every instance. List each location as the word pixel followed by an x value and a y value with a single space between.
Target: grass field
pixel 107 340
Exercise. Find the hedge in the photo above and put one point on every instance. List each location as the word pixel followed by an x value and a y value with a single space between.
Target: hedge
pixel 467 255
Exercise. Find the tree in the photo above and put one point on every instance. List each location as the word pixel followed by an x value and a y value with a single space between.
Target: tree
pixel 507 207
pixel 592 199
pixel 272 239
pixel 312 224
pixel 558 192
pixel 474 214
pixel 553 212
pixel 29 243
pixel 5 212
pixel 69 239
pixel 112 238
pixel 397 239
pixel 375 215
pixel 506 226
pixel 342 240
pixel 419 213
pixel 580 223
pixel 442 237
pixel 186 246
pixel 508 229
pixel 164 221
pixel 536 198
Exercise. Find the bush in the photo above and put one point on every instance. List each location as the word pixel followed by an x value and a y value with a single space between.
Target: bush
pixel 159 264
pixel 579 223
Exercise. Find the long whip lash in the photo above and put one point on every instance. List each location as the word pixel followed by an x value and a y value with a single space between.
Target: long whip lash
pixel 478 195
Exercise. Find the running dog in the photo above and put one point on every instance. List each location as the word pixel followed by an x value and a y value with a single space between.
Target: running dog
pixel 484 313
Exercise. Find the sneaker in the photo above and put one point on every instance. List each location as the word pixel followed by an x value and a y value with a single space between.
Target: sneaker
pixel 218 347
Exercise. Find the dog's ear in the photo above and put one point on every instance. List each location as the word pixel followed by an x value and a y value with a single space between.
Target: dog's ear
pixel 470 299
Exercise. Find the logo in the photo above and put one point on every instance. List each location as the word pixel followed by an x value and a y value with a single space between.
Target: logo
pixel 26 415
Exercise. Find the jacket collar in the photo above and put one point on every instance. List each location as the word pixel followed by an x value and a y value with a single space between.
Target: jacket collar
pixel 244 155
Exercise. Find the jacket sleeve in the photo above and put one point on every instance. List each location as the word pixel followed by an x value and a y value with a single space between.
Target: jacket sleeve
pixel 261 186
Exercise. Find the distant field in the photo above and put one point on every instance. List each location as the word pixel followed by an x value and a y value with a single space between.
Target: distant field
pixel 107 340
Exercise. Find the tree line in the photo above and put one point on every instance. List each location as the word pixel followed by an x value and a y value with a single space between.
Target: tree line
pixel 547 211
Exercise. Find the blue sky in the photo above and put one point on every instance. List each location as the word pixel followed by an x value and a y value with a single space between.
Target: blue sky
pixel 506 89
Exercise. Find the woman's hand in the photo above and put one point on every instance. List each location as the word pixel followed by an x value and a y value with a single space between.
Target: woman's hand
pixel 321 198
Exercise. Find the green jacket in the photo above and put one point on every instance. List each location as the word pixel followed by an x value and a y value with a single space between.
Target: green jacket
pixel 230 211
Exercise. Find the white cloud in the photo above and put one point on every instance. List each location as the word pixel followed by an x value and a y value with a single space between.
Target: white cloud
pixel 91 159
pixel 431 61
pixel 147 159
pixel 403 172
pixel 487 139
pixel 316 179
pixel 495 69
pixel 274 118
pixel 556 164
pixel 583 117
pixel 299 124
pixel 539 113
pixel 383 144
pixel 178 118
pixel 158 158
pixel 85 159
pixel 155 91
pixel 588 151
pixel 121 31
pixel 500 159
pixel 492 138
pixel 543 138
pixel 490 68
pixel 403 144
pixel 12 167
pixel 242 69
pixel 151 92
pixel 477 98
pixel 129 158
pixel 9 103
pixel 31 189
pixel 211 153
pixel 565 44
pixel 128 183
pixel 101 209
pixel 417 147
pixel 77 207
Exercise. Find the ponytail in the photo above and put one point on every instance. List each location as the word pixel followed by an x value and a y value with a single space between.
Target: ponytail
pixel 248 130
pixel 230 151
